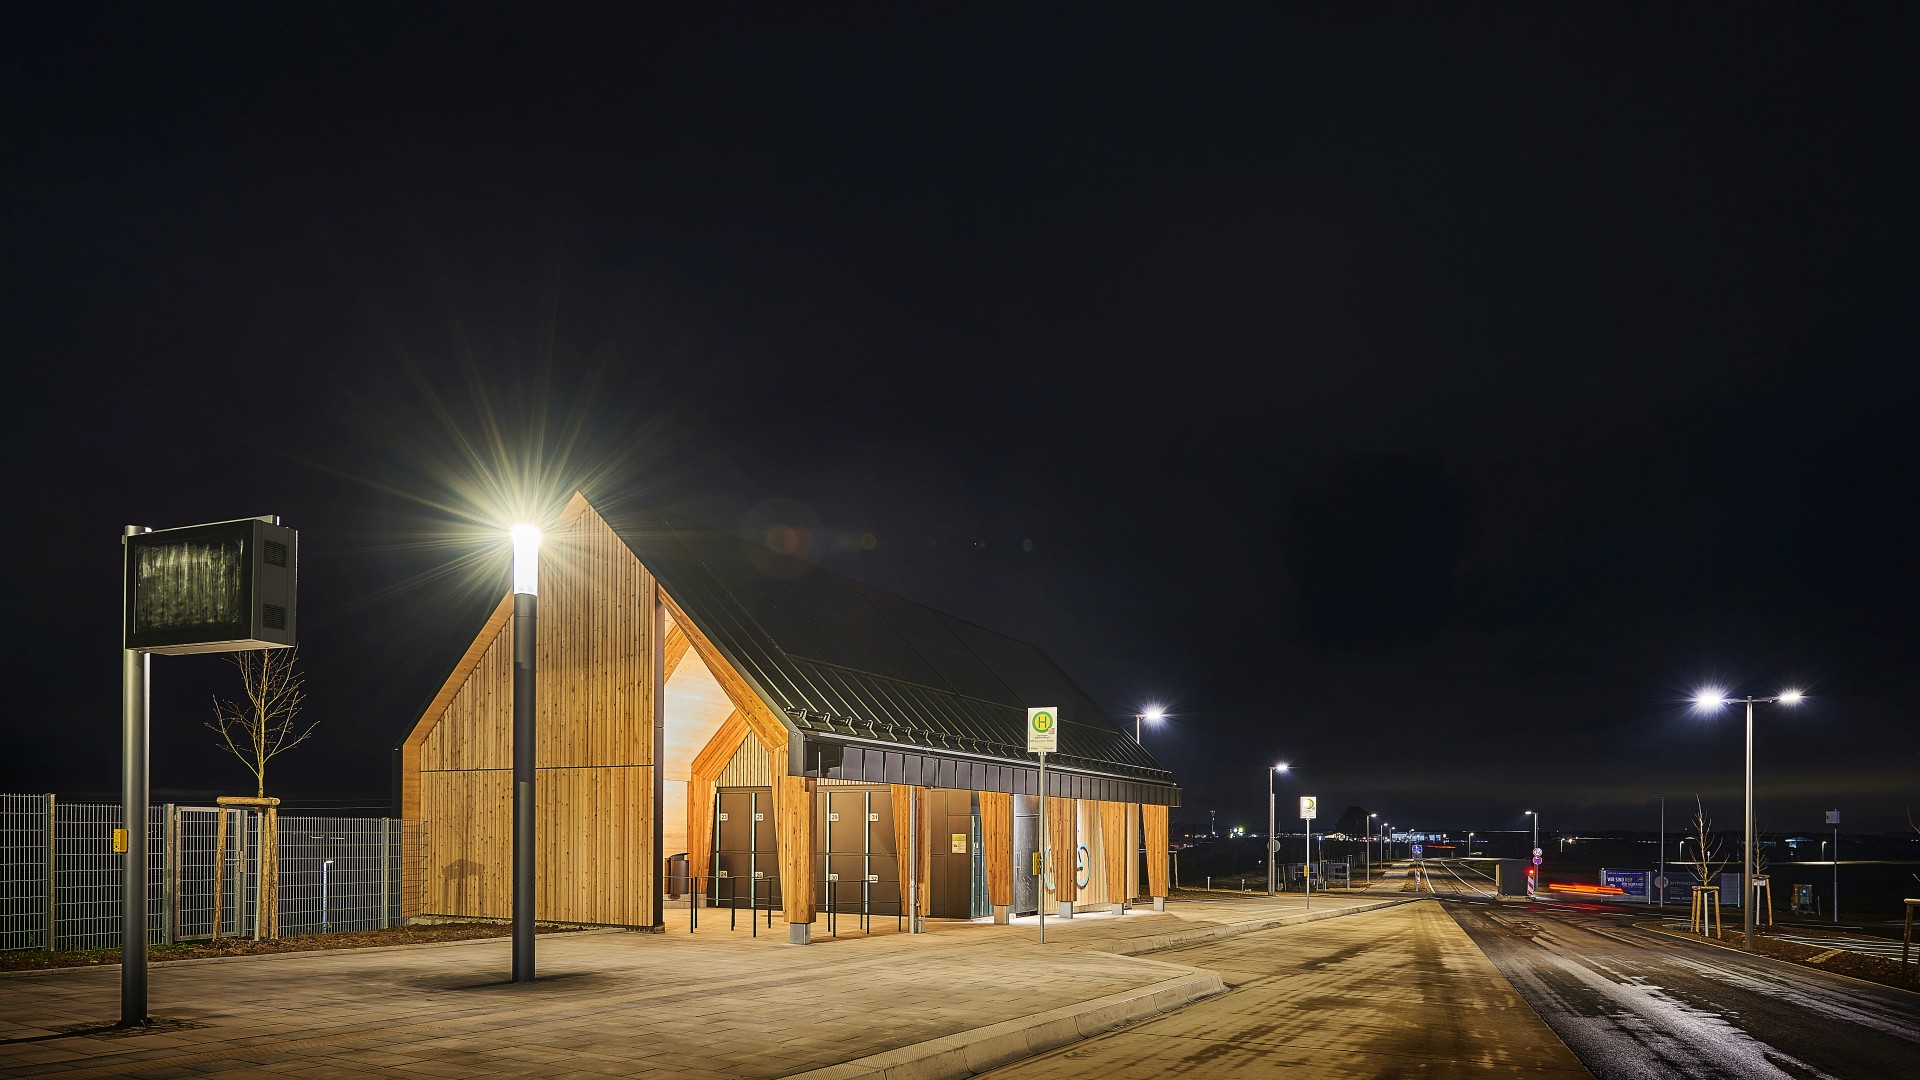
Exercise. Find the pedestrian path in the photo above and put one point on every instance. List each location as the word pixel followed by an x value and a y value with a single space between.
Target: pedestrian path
pixel 1390 993
pixel 960 999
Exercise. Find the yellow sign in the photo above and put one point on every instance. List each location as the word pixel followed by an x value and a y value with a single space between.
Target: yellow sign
pixel 959 843
pixel 1036 864
pixel 120 841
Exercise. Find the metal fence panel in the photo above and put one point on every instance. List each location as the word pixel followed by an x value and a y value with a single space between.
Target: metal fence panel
pixel 60 877
pixel 87 876
pixel 26 880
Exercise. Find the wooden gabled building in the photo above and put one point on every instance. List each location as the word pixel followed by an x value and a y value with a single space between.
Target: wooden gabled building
pixel 718 720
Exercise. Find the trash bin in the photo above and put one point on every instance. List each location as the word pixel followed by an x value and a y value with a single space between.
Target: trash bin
pixel 677 870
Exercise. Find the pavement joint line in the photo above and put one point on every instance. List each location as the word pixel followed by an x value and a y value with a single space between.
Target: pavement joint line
pixel 1654 929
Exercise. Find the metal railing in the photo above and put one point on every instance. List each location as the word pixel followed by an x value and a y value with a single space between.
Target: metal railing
pixel 60 877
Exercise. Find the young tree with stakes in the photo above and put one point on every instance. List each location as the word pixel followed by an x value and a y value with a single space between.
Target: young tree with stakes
pixel 263 725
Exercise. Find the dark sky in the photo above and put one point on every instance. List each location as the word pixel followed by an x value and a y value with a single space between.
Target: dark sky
pixel 1429 399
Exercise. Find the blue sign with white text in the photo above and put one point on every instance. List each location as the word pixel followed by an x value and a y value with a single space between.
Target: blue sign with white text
pixel 1632 883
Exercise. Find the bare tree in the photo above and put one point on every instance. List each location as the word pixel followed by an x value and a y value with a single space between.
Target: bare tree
pixel 263 725
pixel 1709 859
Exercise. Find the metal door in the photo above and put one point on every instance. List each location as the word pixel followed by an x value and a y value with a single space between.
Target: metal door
pixel 1026 841
pixel 859 873
pixel 745 850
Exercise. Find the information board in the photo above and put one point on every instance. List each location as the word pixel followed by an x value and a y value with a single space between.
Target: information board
pixel 1633 884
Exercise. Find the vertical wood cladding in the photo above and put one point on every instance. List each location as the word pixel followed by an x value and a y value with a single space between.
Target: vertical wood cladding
pixel 1113 844
pixel 1063 838
pixel 996 841
pixel 594 749
pixel 1153 822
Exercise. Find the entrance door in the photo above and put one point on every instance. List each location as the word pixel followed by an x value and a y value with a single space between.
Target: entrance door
pixel 860 874
pixel 1026 841
pixel 745 850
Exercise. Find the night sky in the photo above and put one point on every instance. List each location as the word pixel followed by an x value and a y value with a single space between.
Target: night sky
pixel 1431 400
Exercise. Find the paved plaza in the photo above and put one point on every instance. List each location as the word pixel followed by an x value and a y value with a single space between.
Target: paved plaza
pixel 961 999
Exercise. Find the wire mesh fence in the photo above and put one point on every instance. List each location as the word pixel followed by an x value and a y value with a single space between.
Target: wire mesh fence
pixel 60 876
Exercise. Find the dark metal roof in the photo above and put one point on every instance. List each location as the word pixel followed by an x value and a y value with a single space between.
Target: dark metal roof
pixel 842 660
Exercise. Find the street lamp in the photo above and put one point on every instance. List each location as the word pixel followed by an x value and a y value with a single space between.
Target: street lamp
pixel 1272 845
pixel 1369 849
pixel 1469 843
pixel 526 605
pixel 1153 715
pixel 1710 700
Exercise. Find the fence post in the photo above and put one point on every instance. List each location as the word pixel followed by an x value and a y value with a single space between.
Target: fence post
pixel 53 893
pixel 386 862
pixel 169 872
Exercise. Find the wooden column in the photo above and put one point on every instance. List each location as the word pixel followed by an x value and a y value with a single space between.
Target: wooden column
pixel 1063 836
pixel 996 838
pixel 793 810
pixel 1153 821
pixel 902 795
pixel 1113 848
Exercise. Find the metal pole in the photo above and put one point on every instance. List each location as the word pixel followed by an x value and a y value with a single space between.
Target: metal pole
pixel 526 608
pixel 1663 849
pixel 1273 841
pixel 1306 872
pixel 1746 854
pixel 134 669
pixel 1046 863
pixel 913 860
pixel 1836 874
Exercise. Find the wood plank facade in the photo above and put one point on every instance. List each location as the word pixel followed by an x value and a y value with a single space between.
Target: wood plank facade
pixel 641 722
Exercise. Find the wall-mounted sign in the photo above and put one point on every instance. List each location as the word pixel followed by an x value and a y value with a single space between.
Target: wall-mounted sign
pixel 959 843
pixel 211 588
pixel 1043 731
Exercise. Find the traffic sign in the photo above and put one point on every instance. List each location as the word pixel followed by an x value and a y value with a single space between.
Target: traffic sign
pixel 1309 807
pixel 1537 853
pixel 1043 731
pixel 1536 860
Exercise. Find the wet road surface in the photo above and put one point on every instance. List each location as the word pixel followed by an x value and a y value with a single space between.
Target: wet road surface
pixel 1632 1003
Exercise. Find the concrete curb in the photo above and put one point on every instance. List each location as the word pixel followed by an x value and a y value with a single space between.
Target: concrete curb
pixel 196 961
pixel 1197 935
pixel 967 1053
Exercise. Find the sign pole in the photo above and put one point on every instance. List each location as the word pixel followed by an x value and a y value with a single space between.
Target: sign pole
pixel 1044 863
pixel 134 667
pixel 1043 738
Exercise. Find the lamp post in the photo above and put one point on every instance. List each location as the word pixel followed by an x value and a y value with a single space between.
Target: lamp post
pixel 1369 849
pixel 1153 715
pixel 526 605
pixel 1273 846
pixel 1663 849
pixel 1712 699
pixel 1469 843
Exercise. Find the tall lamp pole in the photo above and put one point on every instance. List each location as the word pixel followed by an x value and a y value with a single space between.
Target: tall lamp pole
pixel 1712 699
pixel 526 606
pixel 1273 845
pixel 1663 848
pixel 1369 849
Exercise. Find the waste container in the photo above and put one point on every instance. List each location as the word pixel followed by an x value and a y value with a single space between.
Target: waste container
pixel 677 870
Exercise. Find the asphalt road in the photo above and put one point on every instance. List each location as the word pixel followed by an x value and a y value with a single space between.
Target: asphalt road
pixel 1632 1003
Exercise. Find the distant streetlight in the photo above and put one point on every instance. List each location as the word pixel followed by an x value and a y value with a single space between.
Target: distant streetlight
pixel 1712 699
pixel 1368 846
pixel 1272 845
pixel 526 606
pixel 1536 848
pixel 1469 843
pixel 1153 715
